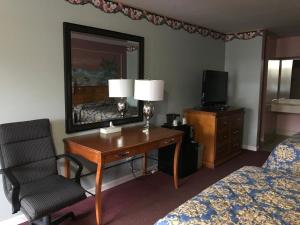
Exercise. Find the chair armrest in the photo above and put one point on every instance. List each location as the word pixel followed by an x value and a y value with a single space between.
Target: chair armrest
pixel 76 161
pixel 15 201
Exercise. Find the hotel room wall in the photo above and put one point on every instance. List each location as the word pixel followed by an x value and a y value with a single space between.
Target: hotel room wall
pixel 243 61
pixel 288 47
pixel 32 65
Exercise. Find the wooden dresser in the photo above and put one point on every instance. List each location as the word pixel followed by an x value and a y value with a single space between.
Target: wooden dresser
pixel 220 132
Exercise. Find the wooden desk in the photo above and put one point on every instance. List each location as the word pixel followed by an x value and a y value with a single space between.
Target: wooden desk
pixel 102 149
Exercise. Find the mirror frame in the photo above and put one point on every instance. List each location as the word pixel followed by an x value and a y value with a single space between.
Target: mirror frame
pixel 68 28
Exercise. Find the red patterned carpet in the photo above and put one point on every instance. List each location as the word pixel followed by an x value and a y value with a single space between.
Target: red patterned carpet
pixel 144 200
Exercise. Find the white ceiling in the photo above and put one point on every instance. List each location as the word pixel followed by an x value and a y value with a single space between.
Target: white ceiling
pixel 280 16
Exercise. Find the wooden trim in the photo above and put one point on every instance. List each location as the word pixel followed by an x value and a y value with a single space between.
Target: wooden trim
pixel 263 86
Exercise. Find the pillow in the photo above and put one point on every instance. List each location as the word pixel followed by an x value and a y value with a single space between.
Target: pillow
pixel 285 158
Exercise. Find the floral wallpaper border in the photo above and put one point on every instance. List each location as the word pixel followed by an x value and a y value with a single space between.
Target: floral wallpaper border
pixel 108 6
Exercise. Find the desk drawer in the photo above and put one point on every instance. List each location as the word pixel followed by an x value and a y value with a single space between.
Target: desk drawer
pixel 166 142
pixel 120 155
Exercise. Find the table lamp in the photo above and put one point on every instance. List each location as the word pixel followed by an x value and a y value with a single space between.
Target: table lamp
pixel 121 89
pixel 148 91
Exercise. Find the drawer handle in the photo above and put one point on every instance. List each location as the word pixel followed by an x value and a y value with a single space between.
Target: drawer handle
pixel 169 141
pixel 236 132
pixel 123 154
pixel 225 136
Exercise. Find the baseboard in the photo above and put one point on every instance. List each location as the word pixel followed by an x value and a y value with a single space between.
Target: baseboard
pixel 21 218
pixel 14 220
pixel 122 180
pixel 286 132
pixel 249 147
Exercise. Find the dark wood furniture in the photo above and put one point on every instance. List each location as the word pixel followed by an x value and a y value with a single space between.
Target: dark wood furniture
pixel 102 149
pixel 188 156
pixel 220 132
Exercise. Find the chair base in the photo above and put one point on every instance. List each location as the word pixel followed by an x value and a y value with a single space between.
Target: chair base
pixel 46 220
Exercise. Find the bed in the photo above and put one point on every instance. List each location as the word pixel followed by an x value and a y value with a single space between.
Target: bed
pixel 250 195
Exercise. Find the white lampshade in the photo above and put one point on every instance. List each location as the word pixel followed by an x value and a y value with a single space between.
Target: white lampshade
pixel 120 88
pixel 149 90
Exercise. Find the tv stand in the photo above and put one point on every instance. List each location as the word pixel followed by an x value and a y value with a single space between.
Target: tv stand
pixel 213 108
pixel 220 132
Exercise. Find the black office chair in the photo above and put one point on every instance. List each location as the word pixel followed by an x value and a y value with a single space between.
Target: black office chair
pixel 30 177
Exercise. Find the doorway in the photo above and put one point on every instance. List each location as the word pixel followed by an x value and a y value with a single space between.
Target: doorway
pixel 280 110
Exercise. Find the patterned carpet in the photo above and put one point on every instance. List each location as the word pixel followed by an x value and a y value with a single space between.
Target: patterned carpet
pixel 144 200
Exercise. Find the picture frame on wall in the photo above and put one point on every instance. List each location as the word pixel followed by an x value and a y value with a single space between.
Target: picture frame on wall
pixel 92 56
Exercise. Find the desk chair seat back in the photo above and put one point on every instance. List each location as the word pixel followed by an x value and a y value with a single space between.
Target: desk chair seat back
pixel 27 150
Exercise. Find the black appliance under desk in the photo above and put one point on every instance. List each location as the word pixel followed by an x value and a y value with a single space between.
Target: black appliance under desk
pixel 188 157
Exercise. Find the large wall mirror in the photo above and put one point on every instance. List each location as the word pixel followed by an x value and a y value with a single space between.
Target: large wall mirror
pixel 92 57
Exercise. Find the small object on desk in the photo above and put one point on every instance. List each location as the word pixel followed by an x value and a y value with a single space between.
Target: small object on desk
pixel 183 121
pixel 171 117
pixel 111 129
pixel 175 123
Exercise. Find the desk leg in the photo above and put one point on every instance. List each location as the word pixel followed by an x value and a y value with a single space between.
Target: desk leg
pixel 67 168
pixel 176 158
pixel 67 164
pixel 98 192
pixel 145 164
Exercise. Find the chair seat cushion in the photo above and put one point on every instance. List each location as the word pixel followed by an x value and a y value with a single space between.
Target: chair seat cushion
pixel 45 196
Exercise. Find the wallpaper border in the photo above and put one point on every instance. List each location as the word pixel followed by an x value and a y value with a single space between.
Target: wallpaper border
pixel 133 13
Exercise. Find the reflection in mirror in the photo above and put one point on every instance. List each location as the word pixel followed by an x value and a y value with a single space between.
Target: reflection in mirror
pixel 92 57
pixel 95 59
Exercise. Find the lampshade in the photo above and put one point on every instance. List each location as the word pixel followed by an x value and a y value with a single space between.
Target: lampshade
pixel 149 90
pixel 120 88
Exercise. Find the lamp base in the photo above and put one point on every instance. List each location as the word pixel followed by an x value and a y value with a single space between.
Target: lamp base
pixel 122 106
pixel 148 111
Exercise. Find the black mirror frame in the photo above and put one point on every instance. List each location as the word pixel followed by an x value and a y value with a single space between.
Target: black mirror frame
pixel 67 29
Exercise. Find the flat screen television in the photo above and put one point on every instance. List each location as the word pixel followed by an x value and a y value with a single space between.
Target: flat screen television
pixel 214 88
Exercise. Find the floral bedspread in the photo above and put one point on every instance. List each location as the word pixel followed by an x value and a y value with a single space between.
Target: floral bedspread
pixel 285 158
pixel 250 195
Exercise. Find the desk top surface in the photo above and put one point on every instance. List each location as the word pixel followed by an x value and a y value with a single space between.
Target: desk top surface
pixel 129 137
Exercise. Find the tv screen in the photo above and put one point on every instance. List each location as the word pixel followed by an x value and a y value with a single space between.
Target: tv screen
pixel 214 88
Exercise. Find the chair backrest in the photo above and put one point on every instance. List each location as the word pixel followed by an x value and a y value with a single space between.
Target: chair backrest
pixel 27 150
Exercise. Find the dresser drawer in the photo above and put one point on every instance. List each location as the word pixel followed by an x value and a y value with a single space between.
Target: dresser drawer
pixel 221 148
pixel 222 136
pixel 236 132
pixel 235 146
pixel 221 152
pixel 237 121
pixel 222 123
